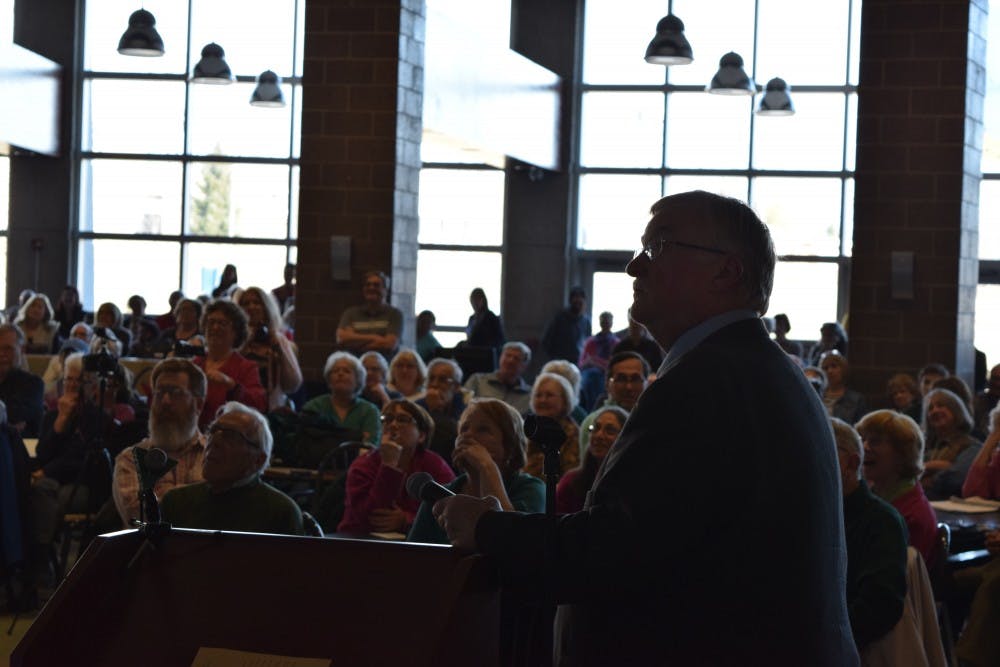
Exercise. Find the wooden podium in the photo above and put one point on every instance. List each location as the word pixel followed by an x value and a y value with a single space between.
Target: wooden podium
pixel 353 602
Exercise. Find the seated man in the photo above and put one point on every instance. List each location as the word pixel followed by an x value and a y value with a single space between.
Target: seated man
pixel 233 497
pixel 445 402
pixel 21 391
pixel 625 381
pixel 374 325
pixel 876 546
pixel 178 397
pixel 506 383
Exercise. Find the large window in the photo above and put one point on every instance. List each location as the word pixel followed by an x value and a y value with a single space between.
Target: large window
pixel 988 292
pixel 178 179
pixel 648 131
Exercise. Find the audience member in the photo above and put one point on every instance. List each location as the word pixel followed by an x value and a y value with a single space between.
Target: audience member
pixel 146 341
pixel 178 397
pixel 950 447
pixel 625 381
pixel 893 461
pixel 568 329
pixel 983 479
pixel 233 497
pixel 597 349
pixel 266 346
pixel 167 321
pixel 831 337
pixel 599 436
pixel 41 331
pixel 376 372
pixel 957 386
pixel 930 374
pixel 979 644
pixel 54 371
pixel 571 373
pixel 343 406
pixel 986 400
pixel 374 325
pixel 135 318
pixel 109 317
pixel 840 401
pixel 781 328
pixel 876 546
pixel 408 374
pixel 507 382
pixel 227 283
pixel 427 344
pixel 552 397
pixel 637 339
pixel 445 401
pixel 284 294
pixel 376 493
pixel 729 410
pixel 484 328
pixel 187 326
pixel 231 376
pixel 904 396
pixel 20 391
pixel 10 314
pixel 490 452
pixel 68 310
pixel 817 379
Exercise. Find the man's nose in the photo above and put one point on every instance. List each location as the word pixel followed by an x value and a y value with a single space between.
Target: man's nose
pixel 632 268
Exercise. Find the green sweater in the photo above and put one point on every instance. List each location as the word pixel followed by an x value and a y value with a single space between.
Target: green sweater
pixel 254 508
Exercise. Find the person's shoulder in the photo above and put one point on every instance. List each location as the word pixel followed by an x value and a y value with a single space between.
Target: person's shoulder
pixel 362 404
pixel 186 493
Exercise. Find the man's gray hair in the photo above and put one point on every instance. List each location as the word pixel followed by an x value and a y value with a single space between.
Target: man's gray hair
pixel 456 370
pixel 849 440
pixel 520 347
pixel 261 432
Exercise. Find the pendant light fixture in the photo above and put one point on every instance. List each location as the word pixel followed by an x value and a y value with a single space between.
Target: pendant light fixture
pixel 212 68
pixel 669 46
pixel 268 91
pixel 141 38
pixel 776 100
pixel 731 79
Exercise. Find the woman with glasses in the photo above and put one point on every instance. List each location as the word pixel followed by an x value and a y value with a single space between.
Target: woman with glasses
pixel 601 434
pixel 950 446
pixel 231 376
pixel 376 372
pixel 343 406
pixel 552 396
pixel 408 374
pixel 490 452
pixel 376 499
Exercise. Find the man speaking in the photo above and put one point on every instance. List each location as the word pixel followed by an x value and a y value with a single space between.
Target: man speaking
pixel 713 533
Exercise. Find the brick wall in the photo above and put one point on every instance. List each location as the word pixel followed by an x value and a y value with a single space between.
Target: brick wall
pixel 362 99
pixel 919 139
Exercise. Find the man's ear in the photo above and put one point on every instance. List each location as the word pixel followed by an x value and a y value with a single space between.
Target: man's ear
pixel 730 273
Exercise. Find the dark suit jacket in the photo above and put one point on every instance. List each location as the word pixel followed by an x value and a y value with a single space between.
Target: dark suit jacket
pixel 715 538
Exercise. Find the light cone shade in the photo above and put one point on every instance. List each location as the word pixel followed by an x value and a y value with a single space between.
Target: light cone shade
pixel 212 68
pixel 776 100
pixel 268 91
pixel 731 79
pixel 669 46
pixel 141 38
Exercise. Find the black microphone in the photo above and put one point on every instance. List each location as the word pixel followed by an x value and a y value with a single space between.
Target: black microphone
pixel 150 465
pixel 421 486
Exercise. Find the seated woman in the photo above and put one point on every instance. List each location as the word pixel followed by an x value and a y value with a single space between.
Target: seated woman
pixel 490 451
pixel 950 446
pixel 68 310
pixel 109 316
pixel 893 461
pixel 983 479
pixel 904 395
pixel 602 433
pixel 408 374
pixel 552 396
pixel 840 402
pixel 231 376
pixel 41 331
pixel 187 326
pixel 268 347
pixel 376 372
pixel 376 498
pixel 345 376
pixel 569 370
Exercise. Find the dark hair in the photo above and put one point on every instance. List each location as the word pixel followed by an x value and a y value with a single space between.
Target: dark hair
pixel 134 300
pixel 197 383
pixel 619 357
pixel 386 281
pixel 478 292
pixel 782 319
pixel 233 313
pixel 934 369
pixel 425 423
pixel 576 290
pixel 194 303
pixel 737 224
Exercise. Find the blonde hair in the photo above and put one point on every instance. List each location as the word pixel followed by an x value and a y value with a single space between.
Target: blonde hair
pixel 903 435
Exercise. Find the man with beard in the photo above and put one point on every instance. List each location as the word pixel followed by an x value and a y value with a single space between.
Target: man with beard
pixel 178 398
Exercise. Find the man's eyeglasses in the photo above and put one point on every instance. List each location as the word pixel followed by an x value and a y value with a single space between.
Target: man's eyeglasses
pixel 400 418
pixel 654 248
pixel 440 379
pixel 217 322
pixel 217 431
pixel 173 393
pixel 607 429
pixel 621 378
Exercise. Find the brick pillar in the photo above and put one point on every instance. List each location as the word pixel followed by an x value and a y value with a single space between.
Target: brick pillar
pixel 920 106
pixel 361 127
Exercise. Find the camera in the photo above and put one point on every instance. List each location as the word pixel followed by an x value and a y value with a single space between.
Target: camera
pixel 100 361
pixel 182 349
pixel 261 336
pixel 544 431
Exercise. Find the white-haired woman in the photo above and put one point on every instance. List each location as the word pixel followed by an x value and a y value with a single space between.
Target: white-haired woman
pixel 569 370
pixel 345 376
pixel 267 345
pixel 408 374
pixel 41 330
pixel 376 372
pixel 552 396
pixel 951 448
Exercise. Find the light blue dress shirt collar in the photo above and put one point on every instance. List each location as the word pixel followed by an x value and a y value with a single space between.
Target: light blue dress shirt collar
pixel 695 335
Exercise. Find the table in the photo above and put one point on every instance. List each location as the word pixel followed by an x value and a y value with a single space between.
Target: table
pixel 968 534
